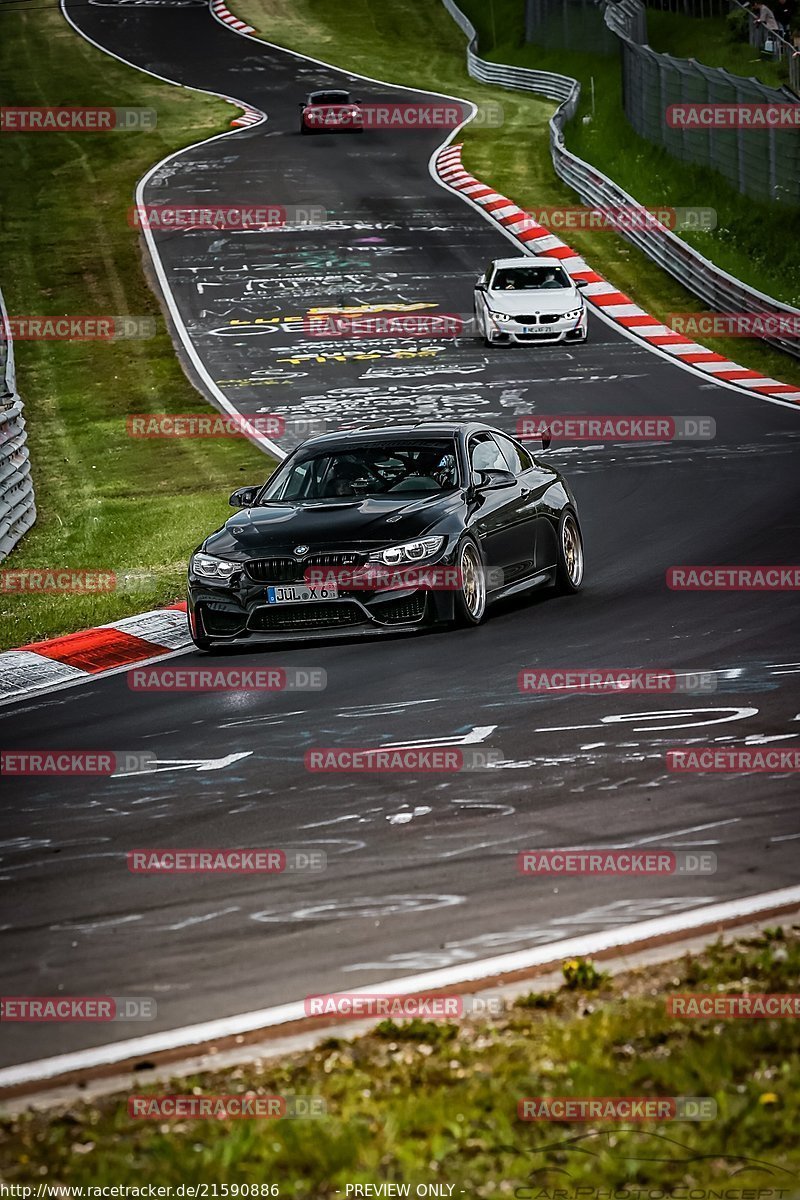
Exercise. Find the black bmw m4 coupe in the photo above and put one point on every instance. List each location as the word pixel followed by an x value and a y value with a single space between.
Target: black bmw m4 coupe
pixel 385 529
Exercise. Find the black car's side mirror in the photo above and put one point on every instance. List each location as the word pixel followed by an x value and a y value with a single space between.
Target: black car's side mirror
pixel 581 283
pixel 489 481
pixel 243 497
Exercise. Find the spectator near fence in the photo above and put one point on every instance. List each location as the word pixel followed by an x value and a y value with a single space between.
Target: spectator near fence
pixel 766 17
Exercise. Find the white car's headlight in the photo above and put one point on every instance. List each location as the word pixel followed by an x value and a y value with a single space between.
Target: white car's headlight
pixel 572 314
pixel 501 316
pixel 213 568
pixel 409 552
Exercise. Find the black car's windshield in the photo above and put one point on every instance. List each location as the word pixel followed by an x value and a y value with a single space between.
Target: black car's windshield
pixel 528 279
pixel 407 469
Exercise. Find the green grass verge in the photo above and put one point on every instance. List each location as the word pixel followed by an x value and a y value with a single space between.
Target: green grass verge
pixel 422 1102
pixel 405 42
pixel 105 501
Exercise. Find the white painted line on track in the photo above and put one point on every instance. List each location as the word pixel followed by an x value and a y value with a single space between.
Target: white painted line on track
pixel 98 1057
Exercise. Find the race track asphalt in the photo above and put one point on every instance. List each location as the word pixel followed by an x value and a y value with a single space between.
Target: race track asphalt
pixel 421 870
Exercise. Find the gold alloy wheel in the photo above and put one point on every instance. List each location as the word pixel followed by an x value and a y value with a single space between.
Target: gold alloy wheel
pixel 573 550
pixel 473 581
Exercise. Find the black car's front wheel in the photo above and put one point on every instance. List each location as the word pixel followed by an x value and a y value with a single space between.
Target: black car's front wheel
pixel 569 569
pixel 470 598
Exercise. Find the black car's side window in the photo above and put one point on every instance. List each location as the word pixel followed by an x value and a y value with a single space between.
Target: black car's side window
pixel 516 457
pixel 485 454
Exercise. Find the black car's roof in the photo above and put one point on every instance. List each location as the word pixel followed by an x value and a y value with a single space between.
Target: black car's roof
pixel 421 432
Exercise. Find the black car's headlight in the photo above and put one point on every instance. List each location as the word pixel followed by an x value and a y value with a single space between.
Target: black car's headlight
pixel 209 567
pixel 409 552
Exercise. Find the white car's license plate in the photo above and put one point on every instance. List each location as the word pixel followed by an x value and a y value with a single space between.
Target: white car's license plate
pixel 536 329
pixel 300 594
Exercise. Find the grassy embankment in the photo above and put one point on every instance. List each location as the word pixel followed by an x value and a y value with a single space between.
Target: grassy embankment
pixel 436 1102
pixel 105 501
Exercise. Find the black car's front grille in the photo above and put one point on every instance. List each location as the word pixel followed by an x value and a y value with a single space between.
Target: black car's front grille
pixel 306 616
pixel 401 612
pixel 292 570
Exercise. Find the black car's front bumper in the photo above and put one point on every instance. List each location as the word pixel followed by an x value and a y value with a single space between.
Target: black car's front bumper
pixel 239 609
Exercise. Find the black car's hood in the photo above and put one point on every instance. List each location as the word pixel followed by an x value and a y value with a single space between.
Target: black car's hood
pixel 332 525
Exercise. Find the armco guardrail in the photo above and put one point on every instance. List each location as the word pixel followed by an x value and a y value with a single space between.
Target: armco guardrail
pixel 544 83
pixel 718 289
pixel 17 507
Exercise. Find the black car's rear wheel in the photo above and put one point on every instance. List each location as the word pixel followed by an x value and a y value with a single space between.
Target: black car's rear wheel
pixel 569 570
pixel 470 599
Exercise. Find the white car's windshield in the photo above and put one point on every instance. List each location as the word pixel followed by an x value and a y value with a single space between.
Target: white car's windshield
pixel 407 468
pixel 528 279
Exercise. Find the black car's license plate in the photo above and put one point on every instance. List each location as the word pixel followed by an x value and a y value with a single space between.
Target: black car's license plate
pixel 301 594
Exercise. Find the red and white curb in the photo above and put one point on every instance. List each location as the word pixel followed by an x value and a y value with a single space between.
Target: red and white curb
pixel 250 116
pixel 614 304
pixel 223 13
pixel 78 657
